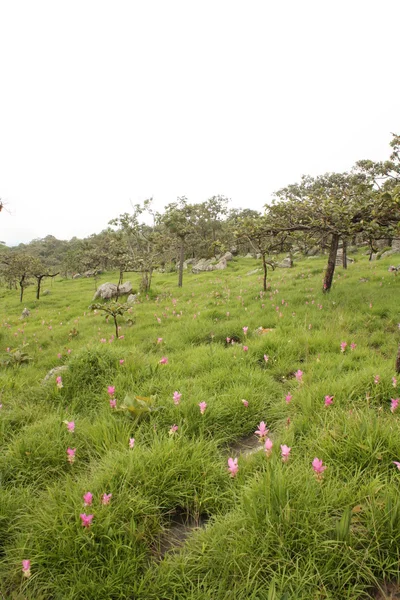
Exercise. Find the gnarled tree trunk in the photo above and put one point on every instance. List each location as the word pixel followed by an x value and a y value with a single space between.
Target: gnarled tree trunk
pixel 330 269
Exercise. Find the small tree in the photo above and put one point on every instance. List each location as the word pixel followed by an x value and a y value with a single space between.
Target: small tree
pixel 263 239
pixel 179 219
pixel 19 267
pixel 114 310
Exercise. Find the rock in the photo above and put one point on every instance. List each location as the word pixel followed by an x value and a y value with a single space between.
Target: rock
pixel 204 264
pixel 375 256
pixel 132 298
pixel 228 256
pixel 55 371
pixel 396 245
pixel 106 291
pixel 46 293
pixel 258 256
pixel 313 251
pixel 253 272
pixel 222 264
pixel 189 261
pixel 287 263
pixel 26 313
pixel 234 251
pixel 77 276
pixel 248 255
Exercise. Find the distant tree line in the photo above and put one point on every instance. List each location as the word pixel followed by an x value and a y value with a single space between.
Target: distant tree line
pixel 361 206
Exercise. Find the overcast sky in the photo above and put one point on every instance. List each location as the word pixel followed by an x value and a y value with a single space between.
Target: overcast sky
pixel 107 103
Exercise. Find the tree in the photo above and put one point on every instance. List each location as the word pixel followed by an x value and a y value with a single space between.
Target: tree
pixel 264 240
pixel 180 219
pixel 19 267
pixel 339 205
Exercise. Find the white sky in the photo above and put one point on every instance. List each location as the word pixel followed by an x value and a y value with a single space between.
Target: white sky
pixel 103 103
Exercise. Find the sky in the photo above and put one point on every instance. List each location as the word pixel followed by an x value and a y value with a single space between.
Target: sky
pixel 105 104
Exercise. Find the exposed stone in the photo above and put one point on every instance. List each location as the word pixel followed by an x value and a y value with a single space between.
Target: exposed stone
pixel 396 245
pixel 313 251
pixel 26 313
pixel 46 293
pixel 222 264
pixel 253 272
pixel 77 276
pixel 249 255
pixel 106 291
pixel 132 298
pixel 204 264
pixel 258 256
pixel 189 261
pixel 375 256
pixel 228 256
pixel 55 371
pixel 287 263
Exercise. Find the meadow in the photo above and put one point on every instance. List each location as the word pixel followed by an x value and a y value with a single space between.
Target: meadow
pixel 91 493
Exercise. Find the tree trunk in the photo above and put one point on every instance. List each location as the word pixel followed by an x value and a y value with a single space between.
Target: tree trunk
pixel 265 273
pixel 181 261
pixel 39 283
pixel 398 360
pixel 344 263
pixel 21 292
pixel 330 269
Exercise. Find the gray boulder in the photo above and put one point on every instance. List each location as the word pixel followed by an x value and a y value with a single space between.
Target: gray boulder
pixel 26 313
pixel 77 276
pixel 132 298
pixel 287 263
pixel 222 264
pixel 228 256
pixel 46 293
pixel 107 291
pixel 55 371
pixel 248 255
pixel 204 264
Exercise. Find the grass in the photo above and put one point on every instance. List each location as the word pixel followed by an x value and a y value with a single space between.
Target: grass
pixel 274 531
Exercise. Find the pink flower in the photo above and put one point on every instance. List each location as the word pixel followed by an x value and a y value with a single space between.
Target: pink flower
pixel 394 382
pixel 233 466
pixel 245 329
pixel 113 403
pixel 159 340
pixel 266 358
pixel 318 467
pixel 203 406
pixel 59 355
pixel 285 452
pixel 69 351
pixel 103 341
pixel 71 455
pixel 59 382
pixel 262 430
pixel 343 346
pixel 353 346
pixel 131 442
pixel 299 375
pixel 328 400
pixel 288 398
pixel 164 361
pixel 121 361
pixel 105 499
pixel 87 499
pixel 177 398
pixel 111 390
pixel 245 403
pixel 377 379
pixel 394 402
pixel 70 426
pixel 228 340
pixel 268 447
pixel 395 462
pixel 173 429
pixel 26 568
pixel 245 348
pixel 86 520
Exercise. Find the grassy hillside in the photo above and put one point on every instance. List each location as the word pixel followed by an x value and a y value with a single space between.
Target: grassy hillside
pixel 275 530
